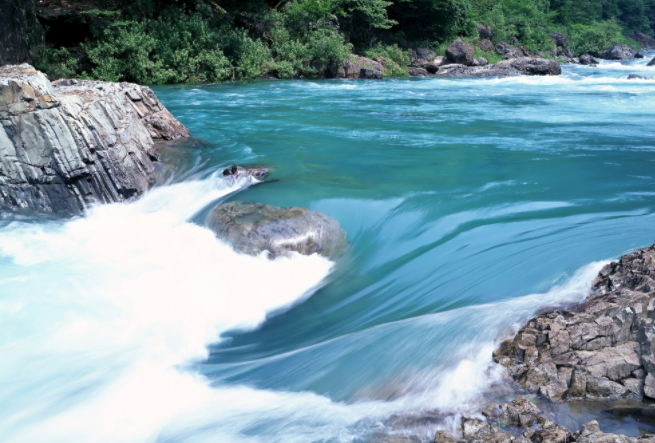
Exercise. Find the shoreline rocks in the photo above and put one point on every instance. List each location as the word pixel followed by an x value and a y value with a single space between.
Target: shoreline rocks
pixel 252 228
pixel 68 144
pixel 505 68
pixel 602 349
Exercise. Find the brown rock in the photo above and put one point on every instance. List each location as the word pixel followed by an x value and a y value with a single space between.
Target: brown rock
pixel 460 52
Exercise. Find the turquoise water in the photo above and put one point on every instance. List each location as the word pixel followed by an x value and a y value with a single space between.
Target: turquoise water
pixel 468 205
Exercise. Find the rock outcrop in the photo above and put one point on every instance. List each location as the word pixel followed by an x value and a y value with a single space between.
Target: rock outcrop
pixel 602 349
pixel 67 144
pixel 252 228
pixel 505 68
pixel 362 68
pixel 618 52
pixel 460 52
pixel 646 41
pixel 587 59
pixel 521 421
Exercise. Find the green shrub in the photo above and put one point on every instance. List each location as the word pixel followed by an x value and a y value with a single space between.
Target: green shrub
pixel 55 63
pixel 328 46
pixel 397 60
pixel 596 37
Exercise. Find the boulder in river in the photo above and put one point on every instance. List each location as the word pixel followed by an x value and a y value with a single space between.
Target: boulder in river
pixel 67 144
pixel 601 349
pixel 236 172
pixel 639 55
pixel 618 52
pixel 460 52
pixel 505 68
pixel 652 62
pixel 587 59
pixel 252 228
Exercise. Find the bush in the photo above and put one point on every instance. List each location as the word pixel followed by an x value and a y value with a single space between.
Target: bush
pixel 397 60
pixel 596 37
pixel 55 63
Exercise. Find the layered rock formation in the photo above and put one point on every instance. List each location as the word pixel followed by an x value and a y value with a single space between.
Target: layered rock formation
pixel 68 144
pixel 602 349
pixel 255 227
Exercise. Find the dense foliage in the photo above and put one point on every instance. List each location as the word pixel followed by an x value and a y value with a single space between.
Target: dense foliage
pixel 173 41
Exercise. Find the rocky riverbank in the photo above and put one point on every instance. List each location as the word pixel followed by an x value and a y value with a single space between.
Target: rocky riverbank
pixel 600 350
pixel 68 144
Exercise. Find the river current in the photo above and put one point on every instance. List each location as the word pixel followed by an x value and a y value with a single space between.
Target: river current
pixel 468 205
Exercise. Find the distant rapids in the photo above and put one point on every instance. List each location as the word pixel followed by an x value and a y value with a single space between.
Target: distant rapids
pixel 469 204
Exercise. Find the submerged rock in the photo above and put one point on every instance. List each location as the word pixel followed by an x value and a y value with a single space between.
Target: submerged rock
pixel 652 62
pixel 252 228
pixel 67 144
pixel 639 77
pixel 602 349
pixel 236 172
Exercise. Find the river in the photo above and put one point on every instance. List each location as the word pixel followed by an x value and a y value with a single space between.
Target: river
pixel 468 205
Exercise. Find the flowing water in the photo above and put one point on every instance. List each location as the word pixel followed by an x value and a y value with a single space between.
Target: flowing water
pixel 468 205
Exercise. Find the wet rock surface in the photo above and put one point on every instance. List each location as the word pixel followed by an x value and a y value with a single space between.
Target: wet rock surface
pixel 67 144
pixel 587 59
pixel 618 52
pixel 505 68
pixel 237 172
pixel 602 349
pixel 252 228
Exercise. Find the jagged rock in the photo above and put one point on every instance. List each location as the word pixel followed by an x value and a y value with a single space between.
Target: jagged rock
pixel 646 41
pixel 361 67
pixel 485 32
pixel 651 63
pixel 460 52
pixel 559 39
pixel 587 59
pixel 618 52
pixel 505 68
pixel 509 52
pixel 602 349
pixel 485 45
pixel 255 227
pixel 68 144
pixel 237 172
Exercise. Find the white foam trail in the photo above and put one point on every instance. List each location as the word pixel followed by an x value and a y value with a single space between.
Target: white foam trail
pixel 107 306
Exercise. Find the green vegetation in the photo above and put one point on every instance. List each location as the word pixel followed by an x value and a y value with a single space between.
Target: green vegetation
pixel 185 41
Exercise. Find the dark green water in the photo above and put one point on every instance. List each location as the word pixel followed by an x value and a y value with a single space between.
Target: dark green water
pixel 468 205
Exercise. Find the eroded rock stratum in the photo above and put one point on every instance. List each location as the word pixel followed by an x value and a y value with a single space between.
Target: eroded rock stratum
pixel 67 144
pixel 602 349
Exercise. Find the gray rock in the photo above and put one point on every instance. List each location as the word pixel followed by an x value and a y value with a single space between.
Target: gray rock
pixel 639 77
pixel 423 54
pixel 602 349
pixel 646 41
pixel 485 45
pixel 587 59
pixel 362 68
pixel 651 63
pixel 618 52
pixel 237 172
pixel 417 72
pixel 639 55
pixel 71 143
pixel 485 32
pixel 564 52
pixel 255 227
pixel 480 61
pixel 509 52
pixel 559 39
pixel 460 52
